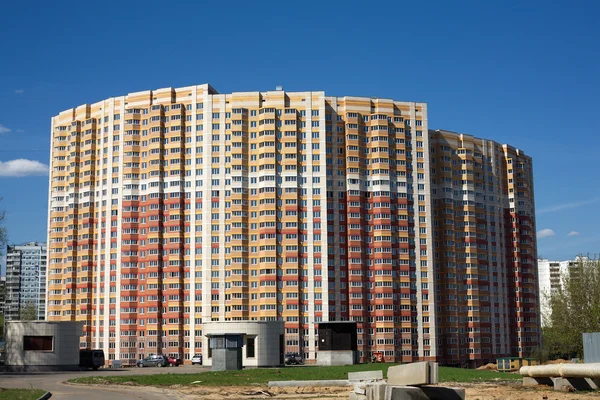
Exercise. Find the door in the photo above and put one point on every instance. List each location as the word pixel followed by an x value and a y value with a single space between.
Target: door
pixel 281 350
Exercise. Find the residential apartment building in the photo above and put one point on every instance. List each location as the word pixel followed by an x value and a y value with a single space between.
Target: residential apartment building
pixel 174 207
pixel 485 246
pixel 551 275
pixel 2 294
pixel 25 281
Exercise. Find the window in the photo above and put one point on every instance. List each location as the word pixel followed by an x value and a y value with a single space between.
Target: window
pixel 250 347
pixel 38 343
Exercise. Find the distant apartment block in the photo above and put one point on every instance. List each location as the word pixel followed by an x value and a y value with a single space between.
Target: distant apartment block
pixel 2 297
pixel 174 207
pixel 25 280
pixel 551 275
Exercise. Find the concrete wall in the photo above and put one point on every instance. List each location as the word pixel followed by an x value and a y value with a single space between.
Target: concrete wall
pixel 65 349
pixel 226 359
pixel 335 357
pixel 266 340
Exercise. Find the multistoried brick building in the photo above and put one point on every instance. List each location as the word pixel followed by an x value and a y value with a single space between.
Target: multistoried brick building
pixel 25 284
pixel 174 207
pixel 485 248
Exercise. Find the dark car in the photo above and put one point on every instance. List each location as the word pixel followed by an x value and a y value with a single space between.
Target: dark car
pixel 293 358
pixel 93 359
pixel 175 362
pixel 157 360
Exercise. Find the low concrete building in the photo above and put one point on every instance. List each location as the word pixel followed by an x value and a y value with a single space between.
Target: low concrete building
pixel 337 343
pixel 42 345
pixel 263 341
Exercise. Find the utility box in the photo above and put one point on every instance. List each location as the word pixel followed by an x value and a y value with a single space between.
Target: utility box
pixel 337 343
pixel 591 347
pixel 226 351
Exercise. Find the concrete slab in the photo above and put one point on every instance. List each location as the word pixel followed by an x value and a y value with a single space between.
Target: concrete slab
pixel 324 383
pixel 433 373
pixel 376 390
pixel 423 393
pixel 414 374
pixel 365 376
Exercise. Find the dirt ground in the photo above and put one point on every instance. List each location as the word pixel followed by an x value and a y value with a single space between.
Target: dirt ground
pixel 262 392
pixel 479 391
pixel 515 391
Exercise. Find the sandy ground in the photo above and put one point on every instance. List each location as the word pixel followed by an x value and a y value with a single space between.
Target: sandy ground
pixel 480 391
pixel 262 392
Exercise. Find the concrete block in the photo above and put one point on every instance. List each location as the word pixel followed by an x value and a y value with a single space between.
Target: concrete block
pixel 404 393
pixel 360 388
pixel 423 393
pixel 365 376
pixel 376 390
pixel 433 373
pixel 528 381
pixel 354 396
pixel 443 393
pixel 571 384
pixel 414 374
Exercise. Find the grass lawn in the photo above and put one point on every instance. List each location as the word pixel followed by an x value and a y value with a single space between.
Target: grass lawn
pixel 261 376
pixel 20 394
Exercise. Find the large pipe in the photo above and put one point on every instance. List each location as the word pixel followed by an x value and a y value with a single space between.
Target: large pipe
pixel 591 370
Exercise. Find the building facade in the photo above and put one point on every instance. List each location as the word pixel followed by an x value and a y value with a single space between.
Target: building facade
pixel 2 295
pixel 25 281
pixel 485 247
pixel 551 275
pixel 174 207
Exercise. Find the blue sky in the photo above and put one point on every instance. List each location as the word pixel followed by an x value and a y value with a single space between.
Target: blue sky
pixel 524 73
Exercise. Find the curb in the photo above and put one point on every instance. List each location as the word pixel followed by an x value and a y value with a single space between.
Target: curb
pixel 313 383
pixel 45 396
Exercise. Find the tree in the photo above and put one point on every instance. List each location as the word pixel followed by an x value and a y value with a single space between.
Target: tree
pixel 574 310
pixel 28 312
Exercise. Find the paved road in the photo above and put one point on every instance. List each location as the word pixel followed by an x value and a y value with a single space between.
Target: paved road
pixel 54 382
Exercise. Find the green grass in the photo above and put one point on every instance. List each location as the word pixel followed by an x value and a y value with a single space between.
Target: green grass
pixel 261 376
pixel 21 394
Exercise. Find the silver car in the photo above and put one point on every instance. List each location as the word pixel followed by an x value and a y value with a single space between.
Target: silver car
pixel 197 359
pixel 157 360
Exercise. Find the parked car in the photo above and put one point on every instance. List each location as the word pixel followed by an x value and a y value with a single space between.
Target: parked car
pixel 93 359
pixel 157 360
pixel 197 359
pixel 293 358
pixel 175 362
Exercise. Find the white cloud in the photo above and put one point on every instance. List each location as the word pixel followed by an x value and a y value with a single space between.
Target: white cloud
pixel 544 233
pixel 19 91
pixel 574 233
pixel 3 129
pixel 566 206
pixel 22 167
